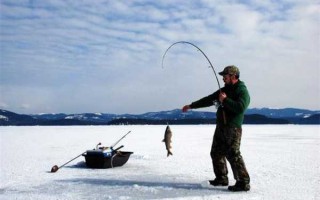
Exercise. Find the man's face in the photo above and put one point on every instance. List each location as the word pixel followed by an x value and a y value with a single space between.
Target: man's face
pixel 227 79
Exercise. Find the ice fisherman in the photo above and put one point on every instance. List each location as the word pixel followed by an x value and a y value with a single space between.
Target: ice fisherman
pixel 233 101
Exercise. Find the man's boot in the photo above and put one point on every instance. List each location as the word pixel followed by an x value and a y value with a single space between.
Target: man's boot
pixel 239 186
pixel 219 182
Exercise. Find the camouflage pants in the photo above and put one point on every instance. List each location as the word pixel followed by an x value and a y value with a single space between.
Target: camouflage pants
pixel 226 145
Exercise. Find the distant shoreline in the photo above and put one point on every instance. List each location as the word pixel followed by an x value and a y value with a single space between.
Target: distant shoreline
pixel 174 117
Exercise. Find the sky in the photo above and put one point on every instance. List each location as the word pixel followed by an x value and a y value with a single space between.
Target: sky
pixel 105 56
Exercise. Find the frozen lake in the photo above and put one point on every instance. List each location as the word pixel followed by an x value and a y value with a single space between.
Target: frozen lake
pixel 283 162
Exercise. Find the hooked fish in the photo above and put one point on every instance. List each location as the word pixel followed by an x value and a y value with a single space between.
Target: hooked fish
pixel 167 140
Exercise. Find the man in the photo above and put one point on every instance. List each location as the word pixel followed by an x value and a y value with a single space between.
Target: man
pixel 233 101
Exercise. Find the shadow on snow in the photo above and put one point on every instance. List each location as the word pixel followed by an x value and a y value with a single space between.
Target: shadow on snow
pixel 138 183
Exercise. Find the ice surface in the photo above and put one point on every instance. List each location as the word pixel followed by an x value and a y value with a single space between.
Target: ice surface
pixel 283 162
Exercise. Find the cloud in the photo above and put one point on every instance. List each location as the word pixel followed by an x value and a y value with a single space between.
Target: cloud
pixel 106 55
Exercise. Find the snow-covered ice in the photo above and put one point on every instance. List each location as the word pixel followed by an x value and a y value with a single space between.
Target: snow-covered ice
pixel 283 162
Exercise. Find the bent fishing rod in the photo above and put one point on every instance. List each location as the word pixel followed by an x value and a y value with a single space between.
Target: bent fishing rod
pixel 214 71
pixel 185 42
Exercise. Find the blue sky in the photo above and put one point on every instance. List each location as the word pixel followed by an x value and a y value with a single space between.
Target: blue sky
pixel 105 56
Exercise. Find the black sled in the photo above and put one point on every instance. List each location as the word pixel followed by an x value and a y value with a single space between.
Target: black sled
pixel 102 159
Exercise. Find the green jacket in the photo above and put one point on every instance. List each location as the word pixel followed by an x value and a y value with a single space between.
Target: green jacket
pixel 233 106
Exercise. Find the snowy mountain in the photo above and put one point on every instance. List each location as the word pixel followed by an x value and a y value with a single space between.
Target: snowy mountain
pixel 105 117
pixel 253 116
pixel 11 118
pixel 282 113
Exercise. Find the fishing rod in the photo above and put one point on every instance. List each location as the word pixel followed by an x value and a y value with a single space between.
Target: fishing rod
pixel 214 71
pixel 185 42
pixel 111 147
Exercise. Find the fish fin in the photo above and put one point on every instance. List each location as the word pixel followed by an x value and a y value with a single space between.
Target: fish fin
pixel 169 153
pixel 163 140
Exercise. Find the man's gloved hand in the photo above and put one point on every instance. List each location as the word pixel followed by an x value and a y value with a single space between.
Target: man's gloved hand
pixel 185 108
pixel 222 96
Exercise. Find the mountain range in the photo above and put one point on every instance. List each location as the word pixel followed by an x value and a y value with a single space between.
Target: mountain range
pixel 252 116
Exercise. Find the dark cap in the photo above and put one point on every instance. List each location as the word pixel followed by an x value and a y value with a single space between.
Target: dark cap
pixel 231 69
